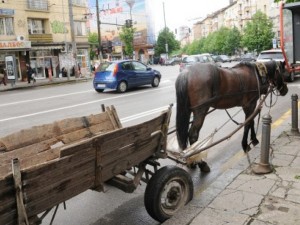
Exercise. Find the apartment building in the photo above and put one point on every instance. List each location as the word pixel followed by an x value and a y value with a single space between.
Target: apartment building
pixel 237 14
pixel 43 34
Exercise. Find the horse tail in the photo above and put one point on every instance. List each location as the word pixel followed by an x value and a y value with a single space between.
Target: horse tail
pixel 183 110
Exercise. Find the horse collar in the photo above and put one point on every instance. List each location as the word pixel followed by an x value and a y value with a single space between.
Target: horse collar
pixel 262 69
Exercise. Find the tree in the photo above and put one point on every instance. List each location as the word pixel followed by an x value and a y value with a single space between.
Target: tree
pixel 93 41
pixel 126 36
pixel 258 33
pixel 165 36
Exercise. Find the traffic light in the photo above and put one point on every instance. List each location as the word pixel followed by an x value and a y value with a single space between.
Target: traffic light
pixel 128 23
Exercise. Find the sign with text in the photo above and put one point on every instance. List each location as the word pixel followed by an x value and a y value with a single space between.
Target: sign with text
pixel 15 44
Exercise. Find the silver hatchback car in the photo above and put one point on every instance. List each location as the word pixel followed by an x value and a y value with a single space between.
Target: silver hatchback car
pixel 192 59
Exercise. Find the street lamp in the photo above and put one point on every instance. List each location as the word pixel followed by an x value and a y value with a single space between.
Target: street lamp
pixel 130 4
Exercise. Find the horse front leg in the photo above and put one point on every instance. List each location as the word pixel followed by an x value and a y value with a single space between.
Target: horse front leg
pixel 196 126
pixel 245 145
pixel 250 126
pixel 254 140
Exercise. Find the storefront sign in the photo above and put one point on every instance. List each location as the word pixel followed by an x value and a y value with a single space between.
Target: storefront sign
pixel 15 44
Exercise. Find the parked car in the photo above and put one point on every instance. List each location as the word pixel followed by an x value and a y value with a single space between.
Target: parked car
pixel 221 58
pixel 275 54
pixel 173 61
pixel 248 57
pixel 192 59
pixel 124 74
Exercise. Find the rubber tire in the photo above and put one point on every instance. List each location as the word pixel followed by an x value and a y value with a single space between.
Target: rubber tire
pixel 122 87
pixel 159 183
pixel 291 77
pixel 99 90
pixel 155 81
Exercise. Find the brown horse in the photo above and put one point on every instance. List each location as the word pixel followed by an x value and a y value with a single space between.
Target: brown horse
pixel 202 86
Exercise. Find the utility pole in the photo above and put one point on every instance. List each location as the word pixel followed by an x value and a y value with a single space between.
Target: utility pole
pixel 99 32
pixel 167 48
pixel 74 48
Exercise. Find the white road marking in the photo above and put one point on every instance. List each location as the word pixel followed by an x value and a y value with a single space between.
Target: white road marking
pixel 60 96
pixel 78 105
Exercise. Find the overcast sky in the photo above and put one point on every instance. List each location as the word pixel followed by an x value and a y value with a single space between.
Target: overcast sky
pixel 184 12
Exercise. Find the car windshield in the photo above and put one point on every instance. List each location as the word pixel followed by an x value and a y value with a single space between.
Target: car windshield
pixel 106 66
pixel 271 55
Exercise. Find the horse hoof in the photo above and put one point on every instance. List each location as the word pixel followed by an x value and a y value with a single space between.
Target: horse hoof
pixel 192 165
pixel 255 142
pixel 204 167
pixel 247 149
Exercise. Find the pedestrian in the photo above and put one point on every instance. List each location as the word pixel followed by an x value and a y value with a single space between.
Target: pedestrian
pixel 3 76
pixel 30 74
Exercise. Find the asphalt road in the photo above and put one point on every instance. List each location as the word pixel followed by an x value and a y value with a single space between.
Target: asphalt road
pixel 21 109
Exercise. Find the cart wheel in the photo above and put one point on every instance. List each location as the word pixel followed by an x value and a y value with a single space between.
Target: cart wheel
pixel 168 190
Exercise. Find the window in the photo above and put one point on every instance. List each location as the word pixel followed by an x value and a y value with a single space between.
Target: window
pixel 139 66
pixel 79 2
pixel 6 26
pixel 80 28
pixel 36 26
pixel 37 4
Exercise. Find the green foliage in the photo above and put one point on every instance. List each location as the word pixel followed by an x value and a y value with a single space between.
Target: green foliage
pixel 165 36
pixel 126 36
pixel 93 41
pixel 223 41
pixel 258 33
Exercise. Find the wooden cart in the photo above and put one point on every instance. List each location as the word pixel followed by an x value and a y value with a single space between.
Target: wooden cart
pixel 46 165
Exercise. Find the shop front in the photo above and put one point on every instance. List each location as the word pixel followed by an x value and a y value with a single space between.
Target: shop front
pixel 18 50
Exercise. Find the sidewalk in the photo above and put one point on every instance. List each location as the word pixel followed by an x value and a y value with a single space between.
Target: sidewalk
pixel 240 197
pixel 41 82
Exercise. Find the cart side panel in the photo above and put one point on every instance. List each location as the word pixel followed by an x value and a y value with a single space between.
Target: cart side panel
pixel 40 144
pixel 124 148
pixel 8 207
pixel 59 180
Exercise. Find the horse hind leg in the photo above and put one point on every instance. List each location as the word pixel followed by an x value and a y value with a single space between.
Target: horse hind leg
pixel 197 124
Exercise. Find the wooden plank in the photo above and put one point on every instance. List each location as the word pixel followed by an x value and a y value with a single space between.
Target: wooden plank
pixel 132 159
pixel 9 218
pixel 115 114
pixel 122 137
pixel 112 118
pixel 42 203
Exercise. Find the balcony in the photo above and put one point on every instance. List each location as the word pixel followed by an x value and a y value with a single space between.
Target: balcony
pixel 40 38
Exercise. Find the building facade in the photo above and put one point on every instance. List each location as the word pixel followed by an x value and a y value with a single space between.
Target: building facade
pixel 237 14
pixel 47 34
pixel 113 15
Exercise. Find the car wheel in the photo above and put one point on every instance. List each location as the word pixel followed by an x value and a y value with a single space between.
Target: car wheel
pixel 122 87
pixel 155 82
pixel 291 77
pixel 99 90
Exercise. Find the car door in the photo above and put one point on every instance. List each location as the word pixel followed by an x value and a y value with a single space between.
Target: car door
pixel 128 74
pixel 143 75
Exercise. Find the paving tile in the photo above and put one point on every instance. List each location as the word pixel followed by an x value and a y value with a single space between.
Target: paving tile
pixel 211 216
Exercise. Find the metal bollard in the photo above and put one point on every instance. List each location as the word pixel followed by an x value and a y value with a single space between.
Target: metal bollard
pixel 264 166
pixel 295 128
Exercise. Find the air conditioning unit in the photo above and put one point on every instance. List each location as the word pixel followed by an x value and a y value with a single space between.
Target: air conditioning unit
pixel 20 38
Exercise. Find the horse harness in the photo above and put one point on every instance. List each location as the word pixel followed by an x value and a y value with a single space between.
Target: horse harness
pixel 262 81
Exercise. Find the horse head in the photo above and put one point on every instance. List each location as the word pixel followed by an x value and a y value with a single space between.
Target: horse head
pixel 274 72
